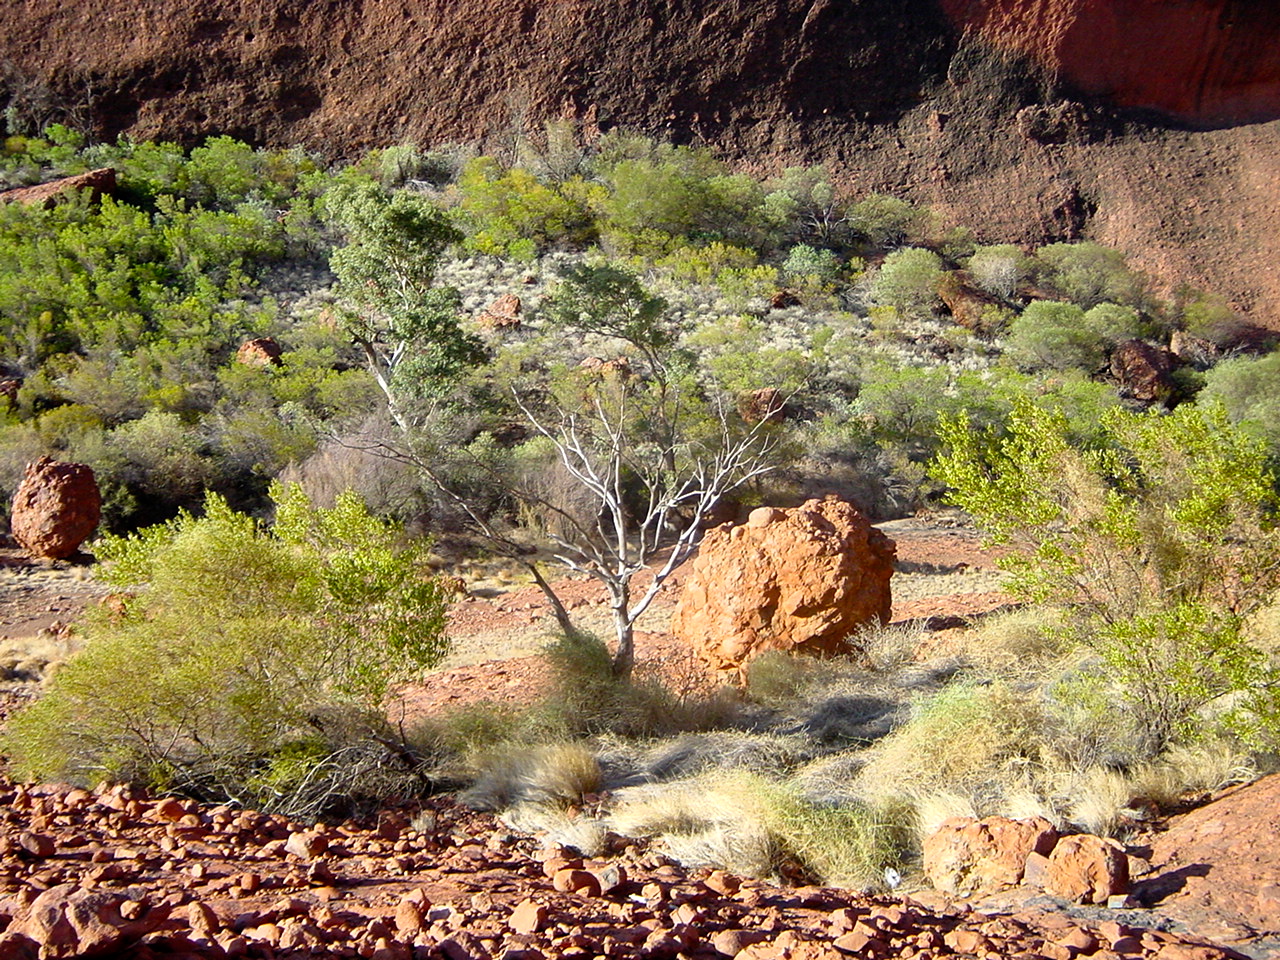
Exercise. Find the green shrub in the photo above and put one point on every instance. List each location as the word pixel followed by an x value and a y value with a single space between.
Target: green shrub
pixel 1248 388
pixel 1159 530
pixel 242 645
pixel 1088 274
pixel 511 213
pixel 814 270
pixel 885 221
pixel 1049 335
pixel 908 281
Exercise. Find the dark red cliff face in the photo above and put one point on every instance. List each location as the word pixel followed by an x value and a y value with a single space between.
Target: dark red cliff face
pixel 1205 62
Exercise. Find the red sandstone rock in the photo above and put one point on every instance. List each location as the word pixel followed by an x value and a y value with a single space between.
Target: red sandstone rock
pixel 1087 869
pixel 528 918
pixel 100 181
pixel 766 404
pixel 307 844
pixel 505 313
pixel 259 352
pixel 1211 62
pixel 576 881
pixel 37 845
pixel 970 305
pixel 801 580
pixel 71 922
pixel 55 508
pixel 967 857
pixel 1142 371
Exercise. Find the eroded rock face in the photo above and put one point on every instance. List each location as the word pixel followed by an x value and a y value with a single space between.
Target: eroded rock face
pixel 966 857
pixel 55 509
pixel 1208 61
pixel 801 580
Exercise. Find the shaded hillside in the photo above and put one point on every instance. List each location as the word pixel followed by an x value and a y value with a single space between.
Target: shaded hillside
pixel 967 104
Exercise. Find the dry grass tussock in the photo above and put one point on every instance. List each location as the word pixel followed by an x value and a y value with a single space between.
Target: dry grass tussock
pixel 511 774
pixel 558 825
pixel 32 659
pixel 957 740
pixel 1108 802
pixel 750 824
pixel 1018 644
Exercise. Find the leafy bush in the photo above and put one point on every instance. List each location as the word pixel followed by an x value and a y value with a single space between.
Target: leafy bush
pixel 1248 388
pixel 885 221
pixel 908 281
pixel 242 647
pixel 1088 274
pixel 1160 531
pixel 1050 335
pixel 511 213
pixel 660 192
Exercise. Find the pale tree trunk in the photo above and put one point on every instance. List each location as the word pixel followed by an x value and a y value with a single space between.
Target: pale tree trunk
pixel 624 658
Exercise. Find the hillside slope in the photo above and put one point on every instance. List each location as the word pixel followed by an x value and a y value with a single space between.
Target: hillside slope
pixel 1002 112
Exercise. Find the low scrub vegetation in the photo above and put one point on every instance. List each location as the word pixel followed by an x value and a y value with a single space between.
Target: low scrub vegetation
pixel 670 331
pixel 251 663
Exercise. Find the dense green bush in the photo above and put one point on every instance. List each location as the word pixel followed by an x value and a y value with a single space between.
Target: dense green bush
pixel 1161 531
pixel 886 221
pixel 1248 388
pixel 908 281
pixel 1088 274
pixel 512 213
pixel 243 648
pixel 1050 335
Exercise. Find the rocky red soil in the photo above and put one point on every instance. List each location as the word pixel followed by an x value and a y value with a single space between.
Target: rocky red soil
pixel 1015 119
pixel 114 873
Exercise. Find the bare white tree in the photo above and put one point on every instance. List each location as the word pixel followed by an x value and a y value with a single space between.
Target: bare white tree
pixel 651 498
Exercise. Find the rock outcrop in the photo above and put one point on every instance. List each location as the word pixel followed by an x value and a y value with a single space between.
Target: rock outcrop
pixel 1087 869
pixel 1142 371
pixel 69 921
pixel 1012 119
pixel 505 313
pixel 967 857
pixel 97 182
pixel 766 404
pixel 1208 62
pixel 801 580
pixel 55 509
pixel 259 352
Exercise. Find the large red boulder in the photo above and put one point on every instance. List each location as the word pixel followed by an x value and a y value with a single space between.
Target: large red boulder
pixel 56 507
pixel 802 580
pixel 1087 869
pixel 1143 372
pixel 260 352
pixel 965 856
